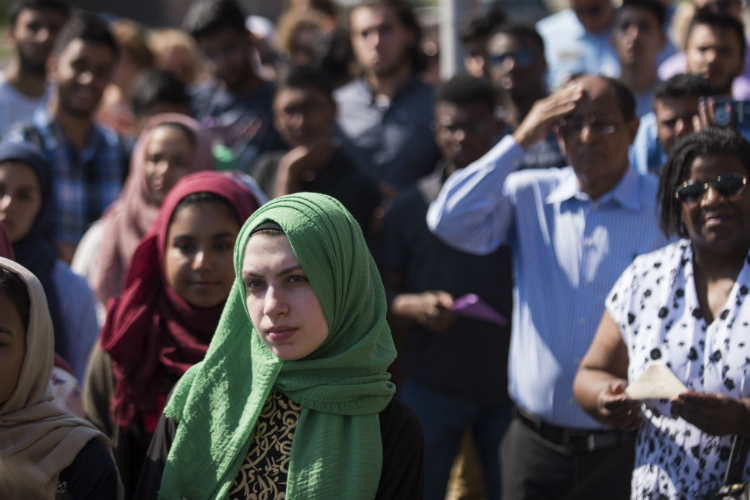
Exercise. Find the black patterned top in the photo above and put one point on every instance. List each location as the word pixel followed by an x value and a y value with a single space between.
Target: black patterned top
pixel 656 307
pixel 264 472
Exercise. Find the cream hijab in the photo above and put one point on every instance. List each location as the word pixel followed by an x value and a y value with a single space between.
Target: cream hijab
pixel 32 429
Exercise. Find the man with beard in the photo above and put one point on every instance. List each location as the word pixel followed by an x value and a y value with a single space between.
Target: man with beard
pixel 572 232
pixel 89 162
pixel 385 114
pixel 715 49
pixel 236 103
pixel 34 25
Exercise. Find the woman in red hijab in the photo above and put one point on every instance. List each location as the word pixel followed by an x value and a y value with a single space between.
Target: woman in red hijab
pixel 174 293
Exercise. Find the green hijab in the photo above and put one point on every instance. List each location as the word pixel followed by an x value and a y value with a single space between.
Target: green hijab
pixel 343 385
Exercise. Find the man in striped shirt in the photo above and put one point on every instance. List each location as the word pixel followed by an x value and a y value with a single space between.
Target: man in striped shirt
pixel 572 232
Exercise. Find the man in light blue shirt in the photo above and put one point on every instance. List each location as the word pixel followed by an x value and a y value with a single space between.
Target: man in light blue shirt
pixel 572 231
pixel 577 40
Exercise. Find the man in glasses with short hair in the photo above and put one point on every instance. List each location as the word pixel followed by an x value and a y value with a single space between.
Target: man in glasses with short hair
pixel 572 232
pixel 517 68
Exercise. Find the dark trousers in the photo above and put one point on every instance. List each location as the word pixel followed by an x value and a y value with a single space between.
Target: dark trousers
pixel 444 420
pixel 533 468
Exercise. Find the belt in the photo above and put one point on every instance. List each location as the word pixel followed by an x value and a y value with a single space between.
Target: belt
pixel 577 440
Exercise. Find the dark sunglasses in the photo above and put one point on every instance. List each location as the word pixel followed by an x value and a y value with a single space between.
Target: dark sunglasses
pixel 588 11
pixel 524 58
pixel 726 185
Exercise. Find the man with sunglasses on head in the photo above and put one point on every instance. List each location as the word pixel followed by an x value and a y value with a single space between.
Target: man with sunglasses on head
pixel 517 69
pixel 572 232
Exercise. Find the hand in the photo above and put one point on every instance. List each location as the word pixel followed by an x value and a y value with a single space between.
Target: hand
pixel 307 158
pixel 431 309
pixel 617 409
pixel 546 113
pixel 714 414
pixel 706 117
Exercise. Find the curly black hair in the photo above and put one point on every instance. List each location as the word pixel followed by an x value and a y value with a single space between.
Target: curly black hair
pixel 677 170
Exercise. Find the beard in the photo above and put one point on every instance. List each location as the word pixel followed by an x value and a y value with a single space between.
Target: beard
pixel 31 66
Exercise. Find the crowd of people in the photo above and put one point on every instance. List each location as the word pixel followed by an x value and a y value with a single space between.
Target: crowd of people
pixel 235 257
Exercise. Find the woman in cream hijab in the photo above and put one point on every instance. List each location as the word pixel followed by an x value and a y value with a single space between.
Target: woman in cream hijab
pixel 68 456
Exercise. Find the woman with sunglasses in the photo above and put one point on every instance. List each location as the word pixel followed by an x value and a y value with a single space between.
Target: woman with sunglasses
pixel 685 306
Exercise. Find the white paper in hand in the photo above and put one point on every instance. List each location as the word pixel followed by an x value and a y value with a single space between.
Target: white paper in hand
pixel 657 382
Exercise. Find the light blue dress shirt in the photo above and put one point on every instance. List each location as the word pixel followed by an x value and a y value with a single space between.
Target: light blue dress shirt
pixel 646 153
pixel 568 252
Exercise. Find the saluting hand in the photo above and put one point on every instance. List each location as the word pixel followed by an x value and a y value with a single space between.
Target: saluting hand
pixel 546 113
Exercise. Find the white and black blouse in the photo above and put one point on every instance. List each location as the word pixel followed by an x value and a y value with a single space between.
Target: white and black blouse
pixel 654 302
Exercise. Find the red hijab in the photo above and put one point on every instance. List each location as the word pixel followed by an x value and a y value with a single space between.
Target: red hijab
pixel 150 328
pixel 6 249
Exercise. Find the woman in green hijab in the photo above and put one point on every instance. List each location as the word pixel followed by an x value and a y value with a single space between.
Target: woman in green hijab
pixel 293 399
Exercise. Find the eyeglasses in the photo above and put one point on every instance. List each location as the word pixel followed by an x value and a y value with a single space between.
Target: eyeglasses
pixel 524 58
pixel 572 126
pixel 726 185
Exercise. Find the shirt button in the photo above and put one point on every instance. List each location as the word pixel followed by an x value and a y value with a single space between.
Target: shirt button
pixel 586 282
pixel 593 206
pixel 571 401
pixel 515 163
pixel 582 321
pixel 589 242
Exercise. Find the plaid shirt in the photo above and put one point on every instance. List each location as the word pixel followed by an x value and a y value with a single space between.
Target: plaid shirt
pixel 86 182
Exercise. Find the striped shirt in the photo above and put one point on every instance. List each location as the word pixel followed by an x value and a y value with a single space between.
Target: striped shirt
pixel 568 252
pixel 86 182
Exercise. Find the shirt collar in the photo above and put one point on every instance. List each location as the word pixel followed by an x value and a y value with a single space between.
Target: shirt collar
pixel 53 136
pixel 625 192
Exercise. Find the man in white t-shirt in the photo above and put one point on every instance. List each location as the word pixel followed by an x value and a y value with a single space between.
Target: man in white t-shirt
pixel 34 25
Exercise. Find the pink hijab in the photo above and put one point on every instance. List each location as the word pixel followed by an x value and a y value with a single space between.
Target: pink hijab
pixel 6 249
pixel 130 217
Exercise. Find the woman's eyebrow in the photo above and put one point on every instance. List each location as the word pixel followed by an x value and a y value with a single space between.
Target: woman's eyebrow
pixel 6 331
pixel 225 234
pixel 250 274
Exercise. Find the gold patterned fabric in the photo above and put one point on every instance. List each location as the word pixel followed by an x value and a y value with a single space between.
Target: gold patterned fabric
pixel 264 472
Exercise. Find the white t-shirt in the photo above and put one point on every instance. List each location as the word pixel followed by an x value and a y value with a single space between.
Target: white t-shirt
pixel 655 304
pixel 15 106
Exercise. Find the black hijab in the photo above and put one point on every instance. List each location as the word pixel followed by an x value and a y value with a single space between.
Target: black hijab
pixel 36 251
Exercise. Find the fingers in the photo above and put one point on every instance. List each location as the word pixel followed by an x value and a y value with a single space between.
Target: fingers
pixel 444 299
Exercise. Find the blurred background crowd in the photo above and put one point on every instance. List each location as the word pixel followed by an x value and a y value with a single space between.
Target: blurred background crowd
pixel 106 106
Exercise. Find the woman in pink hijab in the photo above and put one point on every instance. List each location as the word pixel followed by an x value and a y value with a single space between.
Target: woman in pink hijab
pixel 170 147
